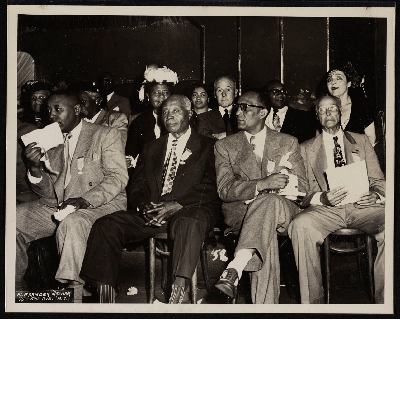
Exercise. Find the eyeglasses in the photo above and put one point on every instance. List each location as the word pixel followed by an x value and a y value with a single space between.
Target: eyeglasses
pixel 243 106
pixel 39 97
pixel 331 109
pixel 277 92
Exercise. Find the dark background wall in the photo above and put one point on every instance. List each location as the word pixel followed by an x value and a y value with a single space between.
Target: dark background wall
pixel 82 47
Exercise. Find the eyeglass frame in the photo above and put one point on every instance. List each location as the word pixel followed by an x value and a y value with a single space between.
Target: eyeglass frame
pixel 243 106
pixel 276 92
pixel 334 106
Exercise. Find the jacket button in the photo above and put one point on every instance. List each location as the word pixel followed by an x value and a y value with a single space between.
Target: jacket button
pixel 90 183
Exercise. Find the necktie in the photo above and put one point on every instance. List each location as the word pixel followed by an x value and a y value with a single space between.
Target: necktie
pixel 170 171
pixel 276 121
pixel 337 154
pixel 226 120
pixel 253 145
pixel 67 160
pixel 157 130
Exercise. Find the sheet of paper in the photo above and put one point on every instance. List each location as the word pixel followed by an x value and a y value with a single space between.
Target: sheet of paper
pixel 46 138
pixel 353 177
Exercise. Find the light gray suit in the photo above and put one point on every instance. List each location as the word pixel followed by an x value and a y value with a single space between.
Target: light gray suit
pixel 98 174
pixel 116 120
pixel 268 215
pixel 309 229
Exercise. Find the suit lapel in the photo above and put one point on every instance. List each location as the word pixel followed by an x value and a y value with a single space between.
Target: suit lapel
pixel 113 100
pixel 217 121
pixel 318 161
pixel 193 144
pixel 102 116
pixel 245 159
pixel 158 160
pixel 350 147
pixel 84 142
pixel 272 150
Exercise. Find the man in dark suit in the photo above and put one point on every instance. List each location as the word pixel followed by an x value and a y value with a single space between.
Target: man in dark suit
pixel 114 102
pixel 220 122
pixel 283 118
pixel 323 214
pixel 88 174
pixel 259 174
pixel 172 190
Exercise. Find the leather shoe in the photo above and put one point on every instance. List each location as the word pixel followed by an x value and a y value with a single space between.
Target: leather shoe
pixel 228 282
pixel 177 294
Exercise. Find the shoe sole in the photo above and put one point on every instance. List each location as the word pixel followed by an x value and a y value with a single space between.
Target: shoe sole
pixel 225 290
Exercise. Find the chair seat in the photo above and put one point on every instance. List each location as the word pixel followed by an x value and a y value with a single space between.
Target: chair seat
pixel 348 232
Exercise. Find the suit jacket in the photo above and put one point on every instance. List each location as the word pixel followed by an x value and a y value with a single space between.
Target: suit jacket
pixel 98 170
pixel 141 131
pixel 300 124
pixel 212 122
pixel 194 183
pixel 238 170
pixel 116 120
pixel 313 152
pixel 119 104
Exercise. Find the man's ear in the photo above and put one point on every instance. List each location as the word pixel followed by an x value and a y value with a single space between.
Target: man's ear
pixel 190 112
pixel 147 97
pixel 263 113
pixel 236 92
pixel 77 109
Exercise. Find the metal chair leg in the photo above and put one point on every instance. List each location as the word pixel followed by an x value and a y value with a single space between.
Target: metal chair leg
pixel 194 287
pixel 368 245
pixel 152 250
pixel 204 265
pixel 327 255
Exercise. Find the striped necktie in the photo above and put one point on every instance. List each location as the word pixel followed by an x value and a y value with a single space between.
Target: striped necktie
pixel 253 145
pixel 276 122
pixel 170 172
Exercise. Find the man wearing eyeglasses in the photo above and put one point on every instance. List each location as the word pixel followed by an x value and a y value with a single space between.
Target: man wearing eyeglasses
pixel 253 168
pixel 114 102
pixel 323 215
pixel 221 122
pixel 286 119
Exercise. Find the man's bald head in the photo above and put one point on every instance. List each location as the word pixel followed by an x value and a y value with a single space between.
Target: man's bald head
pixel 176 112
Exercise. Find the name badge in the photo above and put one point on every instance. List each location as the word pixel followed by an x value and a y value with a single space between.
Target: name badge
pixel 80 165
pixel 270 166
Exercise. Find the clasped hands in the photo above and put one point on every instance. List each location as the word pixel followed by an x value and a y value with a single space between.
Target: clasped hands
pixel 335 196
pixel 275 181
pixel 157 214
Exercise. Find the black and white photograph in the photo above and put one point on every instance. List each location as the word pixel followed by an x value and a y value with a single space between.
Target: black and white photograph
pixel 200 159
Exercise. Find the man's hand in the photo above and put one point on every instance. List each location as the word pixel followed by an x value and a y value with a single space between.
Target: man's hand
pixel 334 196
pixel 367 199
pixel 33 155
pixel 273 181
pixel 144 208
pixel 77 202
pixel 162 212
pixel 219 135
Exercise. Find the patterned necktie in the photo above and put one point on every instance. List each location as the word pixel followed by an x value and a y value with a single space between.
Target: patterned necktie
pixel 170 172
pixel 253 145
pixel 276 122
pixel 337 154
pixel 67 160
pixel 226 120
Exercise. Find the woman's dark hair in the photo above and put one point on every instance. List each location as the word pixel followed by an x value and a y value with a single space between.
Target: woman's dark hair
pixel 149 85
pixel 199 84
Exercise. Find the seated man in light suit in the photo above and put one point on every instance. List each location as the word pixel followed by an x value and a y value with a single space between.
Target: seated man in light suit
pixel 323 214
pixel 114 102
pixel 89 174
pixel 252 167
pixel 220 122
pixel 173 189
pixel 91 109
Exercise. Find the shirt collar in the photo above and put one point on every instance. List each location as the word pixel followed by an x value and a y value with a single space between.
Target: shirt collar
pixel 222 110
pixel 92 120
pixel 76 131
pixel 109 96
pixel 282 110
pixel 259 136
pixel 183 138
pixel 339 134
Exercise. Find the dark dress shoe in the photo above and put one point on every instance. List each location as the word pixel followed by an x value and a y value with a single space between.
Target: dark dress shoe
pixel 177 294
pixel 226 283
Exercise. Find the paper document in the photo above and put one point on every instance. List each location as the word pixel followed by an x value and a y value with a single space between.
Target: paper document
pixel 353 177
pixel 46 138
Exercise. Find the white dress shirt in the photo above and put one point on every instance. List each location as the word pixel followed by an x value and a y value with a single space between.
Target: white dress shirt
pixel 259 141
pixel 157 130
pixel 180 147
pixel 222 110
pixel 109 96
pixel 270 118
pixel 93 120
pixel 72 146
